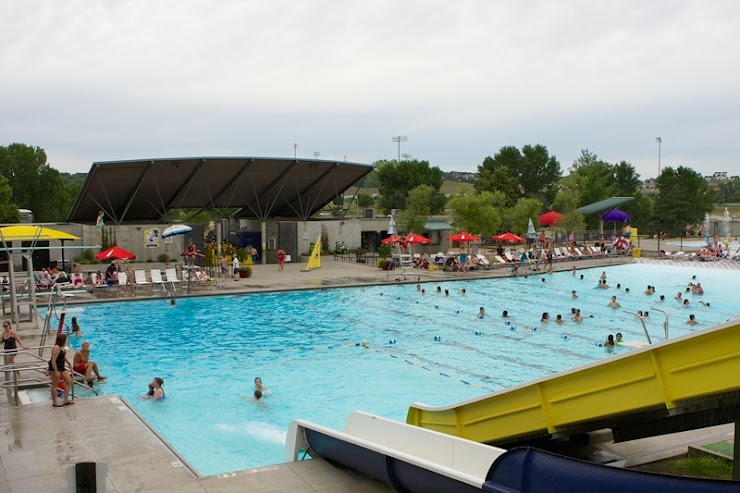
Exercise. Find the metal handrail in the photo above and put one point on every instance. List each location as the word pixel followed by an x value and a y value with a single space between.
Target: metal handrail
pixel 14 368
pixel 643 325
pixel 665 322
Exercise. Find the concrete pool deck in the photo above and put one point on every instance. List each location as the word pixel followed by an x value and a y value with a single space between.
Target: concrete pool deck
pixel 40 442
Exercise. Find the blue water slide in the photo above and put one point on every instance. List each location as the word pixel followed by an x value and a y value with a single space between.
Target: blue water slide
pixel 529 470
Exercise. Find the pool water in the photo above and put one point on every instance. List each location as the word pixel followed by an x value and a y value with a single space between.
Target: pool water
pixel 306 346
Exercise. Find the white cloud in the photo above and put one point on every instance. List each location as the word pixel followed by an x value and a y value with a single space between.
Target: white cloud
pixel 119 80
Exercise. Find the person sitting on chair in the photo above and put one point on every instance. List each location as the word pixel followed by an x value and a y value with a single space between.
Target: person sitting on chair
pixel 111 275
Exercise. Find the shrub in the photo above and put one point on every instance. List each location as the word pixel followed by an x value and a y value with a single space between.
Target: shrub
pixel 163 258
pixel 384 250
pixel 87 257
pixel 246 269
pixel 382 263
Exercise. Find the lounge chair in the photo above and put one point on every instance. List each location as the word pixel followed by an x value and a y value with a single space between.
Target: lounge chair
pixel 499 259
pixel 156 276
pixel 170 275
pixel 141 279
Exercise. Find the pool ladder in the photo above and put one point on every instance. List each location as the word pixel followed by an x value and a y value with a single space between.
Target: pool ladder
pixel 642 322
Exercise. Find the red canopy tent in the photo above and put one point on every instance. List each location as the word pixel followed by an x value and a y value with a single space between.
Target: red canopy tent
pixel 391 239
pixel 418 239
pixel 463 237
pixel 115 253
pixel 549 218
pixel 510 237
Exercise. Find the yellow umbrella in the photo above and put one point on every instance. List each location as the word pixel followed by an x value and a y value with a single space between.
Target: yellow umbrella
pixel 30 233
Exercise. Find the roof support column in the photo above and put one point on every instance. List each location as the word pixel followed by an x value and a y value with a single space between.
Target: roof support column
pixel 264 241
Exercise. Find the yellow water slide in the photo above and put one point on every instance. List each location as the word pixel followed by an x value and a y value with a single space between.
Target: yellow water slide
pixel 665 375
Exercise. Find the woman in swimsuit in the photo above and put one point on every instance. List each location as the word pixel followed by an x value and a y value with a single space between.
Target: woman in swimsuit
pixel 84 366
pixel 99 223
pixel 258 386
pixel 281 258
pixel 11 341
pixel 58 372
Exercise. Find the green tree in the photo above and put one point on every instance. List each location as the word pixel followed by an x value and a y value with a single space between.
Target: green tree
pixel 684 196
pixel 417 211
pixel 641 211
pixel 531 173
pixel 8 210
pixel 626 179
pixel 35 184
pixel 516 219
pixel 397 179
pixel 364 200
pixel 480 213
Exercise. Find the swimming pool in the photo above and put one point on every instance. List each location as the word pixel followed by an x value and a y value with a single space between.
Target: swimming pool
pixel 306 345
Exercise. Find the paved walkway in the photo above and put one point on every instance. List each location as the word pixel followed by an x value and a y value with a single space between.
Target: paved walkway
pixel 38 442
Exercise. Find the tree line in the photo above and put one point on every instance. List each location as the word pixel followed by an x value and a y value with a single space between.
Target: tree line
pixel 515 185
pixel 28 181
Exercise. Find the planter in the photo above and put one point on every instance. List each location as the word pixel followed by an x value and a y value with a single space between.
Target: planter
pixel 243 274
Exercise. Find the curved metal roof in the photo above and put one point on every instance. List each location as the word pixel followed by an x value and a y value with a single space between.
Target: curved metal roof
pixel 604 205
pixel 144 190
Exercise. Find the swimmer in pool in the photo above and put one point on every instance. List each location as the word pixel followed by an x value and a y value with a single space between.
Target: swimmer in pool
pixel 704 303
pixel 481 312
pixel 686 303
pixel 619 338
pixel 573 295
pixel 679 296
pixel 258 386
pixel 156 392
pixel 614 303
pixel 559 320
pixel 609 341
pixel 505 314
pixel 545 317
pixel 692 320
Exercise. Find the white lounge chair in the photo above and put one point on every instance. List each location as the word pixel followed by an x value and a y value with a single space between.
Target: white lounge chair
pixel 141 279
pixel 170 275
pixel 156 276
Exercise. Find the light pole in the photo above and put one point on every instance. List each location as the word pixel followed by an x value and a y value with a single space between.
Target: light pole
pixel 659 141
pixel 295 151
pixel 398 139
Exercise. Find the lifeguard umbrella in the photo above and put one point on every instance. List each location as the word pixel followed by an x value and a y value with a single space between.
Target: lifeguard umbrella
pixel 510 237
pixel 417 239
pixel 531 233
pixel 115 253
pixel 463 238
pixel 177 229
pixel 391 239
pixel 549 218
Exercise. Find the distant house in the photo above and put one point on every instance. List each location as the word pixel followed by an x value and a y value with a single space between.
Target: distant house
pixel 649 184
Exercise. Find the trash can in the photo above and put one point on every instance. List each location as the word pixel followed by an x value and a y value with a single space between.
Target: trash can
pixel 637 252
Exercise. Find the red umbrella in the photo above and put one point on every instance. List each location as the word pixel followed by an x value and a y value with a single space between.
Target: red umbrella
pixel 391 239
pixel 510 237
pixel 114 253
pixel 418 239
pixel 550 218
pixel 463 237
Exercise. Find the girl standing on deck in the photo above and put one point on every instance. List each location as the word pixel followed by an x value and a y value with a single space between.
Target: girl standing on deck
pixel 58 371
pixel 11 341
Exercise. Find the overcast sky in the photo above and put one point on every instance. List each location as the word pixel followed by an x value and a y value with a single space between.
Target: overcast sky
pixel 107 80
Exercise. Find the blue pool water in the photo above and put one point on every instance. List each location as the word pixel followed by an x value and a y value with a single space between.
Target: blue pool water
pixel 306 347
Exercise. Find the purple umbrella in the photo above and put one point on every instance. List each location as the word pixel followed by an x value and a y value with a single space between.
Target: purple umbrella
pixel 616 215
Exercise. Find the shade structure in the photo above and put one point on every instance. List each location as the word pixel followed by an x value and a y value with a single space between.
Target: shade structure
pixel 510 237
pixel 418 239
pixel 391 239
pixel 115 253
pixel 177 229
pixel 549 218
pixel 463 237
pixel 30 233
pixel 616 215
